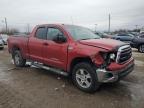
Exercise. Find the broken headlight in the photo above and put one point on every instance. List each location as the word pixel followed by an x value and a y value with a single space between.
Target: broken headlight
pixel 112 56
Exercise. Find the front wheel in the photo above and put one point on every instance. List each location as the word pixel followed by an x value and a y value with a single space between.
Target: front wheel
pixel 19 61
pixel 141 48
pixel 85 78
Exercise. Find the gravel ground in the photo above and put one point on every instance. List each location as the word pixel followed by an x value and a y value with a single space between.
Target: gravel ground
pixel 30 87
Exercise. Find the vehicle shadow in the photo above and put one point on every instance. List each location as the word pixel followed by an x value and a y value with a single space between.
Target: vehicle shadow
pixel 120 90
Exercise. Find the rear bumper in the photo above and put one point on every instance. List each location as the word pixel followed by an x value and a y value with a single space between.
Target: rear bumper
pixel 1 46
pixel 105 76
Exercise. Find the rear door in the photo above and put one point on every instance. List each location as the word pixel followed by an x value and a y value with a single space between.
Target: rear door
pixel 55 53
pixel 36 44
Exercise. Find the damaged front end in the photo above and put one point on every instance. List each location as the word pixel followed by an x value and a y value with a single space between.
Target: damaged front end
pixel 113 65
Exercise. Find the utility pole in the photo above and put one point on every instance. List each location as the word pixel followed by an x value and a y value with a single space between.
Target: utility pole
pixel 109 23
pixel 6 25
pixel 136 27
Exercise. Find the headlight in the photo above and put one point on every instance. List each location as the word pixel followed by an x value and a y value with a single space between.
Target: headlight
pixel 104 55
pixel 112 56
pixel 106 58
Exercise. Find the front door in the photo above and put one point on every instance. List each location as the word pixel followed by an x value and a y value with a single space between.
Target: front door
pixel 55 54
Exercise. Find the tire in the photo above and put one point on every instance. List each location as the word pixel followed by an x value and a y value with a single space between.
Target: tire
pixel 2 48
pixel 141 48
pixel 118 39
pixel 89 76
pixel 19 61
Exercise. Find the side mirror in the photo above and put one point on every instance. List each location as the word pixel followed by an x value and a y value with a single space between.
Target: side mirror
pixel 59 38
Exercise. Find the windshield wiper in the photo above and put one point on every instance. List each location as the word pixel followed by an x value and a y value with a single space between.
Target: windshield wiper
pixel 96 38
pixel 86 39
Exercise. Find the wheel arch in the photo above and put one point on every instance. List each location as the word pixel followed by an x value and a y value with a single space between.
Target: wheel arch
pixel 14 48
pixel 79 60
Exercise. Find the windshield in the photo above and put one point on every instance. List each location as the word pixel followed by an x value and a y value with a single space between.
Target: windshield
pixel 81 33
pixel 131 35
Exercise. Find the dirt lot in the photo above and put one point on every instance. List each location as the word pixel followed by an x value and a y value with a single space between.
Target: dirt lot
pixel 34 88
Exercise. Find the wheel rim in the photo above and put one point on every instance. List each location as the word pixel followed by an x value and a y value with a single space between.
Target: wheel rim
pixel 17 59
pixel 142 48
pixel 83 78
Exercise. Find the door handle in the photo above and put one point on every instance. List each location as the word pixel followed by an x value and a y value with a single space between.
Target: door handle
pixel 46 44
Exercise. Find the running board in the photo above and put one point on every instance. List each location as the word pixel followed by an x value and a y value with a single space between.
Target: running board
pixel 57 71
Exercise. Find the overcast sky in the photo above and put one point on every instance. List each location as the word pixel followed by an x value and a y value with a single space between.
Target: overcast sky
pixel 124 13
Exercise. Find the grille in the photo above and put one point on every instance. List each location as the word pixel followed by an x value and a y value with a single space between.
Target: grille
pixel 124 53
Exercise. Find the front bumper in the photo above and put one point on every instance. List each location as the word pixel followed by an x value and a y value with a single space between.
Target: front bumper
pixel 105 76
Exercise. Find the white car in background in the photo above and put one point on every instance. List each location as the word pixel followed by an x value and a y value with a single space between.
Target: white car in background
pixel 1 43
pixel 4 38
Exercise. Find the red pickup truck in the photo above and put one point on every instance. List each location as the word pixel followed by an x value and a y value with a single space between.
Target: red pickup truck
pixel 73 51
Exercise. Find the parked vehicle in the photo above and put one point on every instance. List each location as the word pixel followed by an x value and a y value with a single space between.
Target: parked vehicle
pixel 1 43
pixel 103 35
pixel 124 37
pixel 73 51
pixel 4 38
pixel 134 33
pixel 138 42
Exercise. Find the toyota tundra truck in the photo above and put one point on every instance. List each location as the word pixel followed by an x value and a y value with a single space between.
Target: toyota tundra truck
pixel 73 51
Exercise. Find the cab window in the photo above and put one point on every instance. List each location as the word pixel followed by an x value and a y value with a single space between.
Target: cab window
pixel 53 32
pixel 41 33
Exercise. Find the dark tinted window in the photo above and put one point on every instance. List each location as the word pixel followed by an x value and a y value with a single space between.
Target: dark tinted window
pixel 122 35
pixel 53 32
pixel 41 33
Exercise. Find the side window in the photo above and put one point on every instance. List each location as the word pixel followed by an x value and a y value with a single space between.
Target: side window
pixel 119 35
pixel 41 33
pixel 53 32
pixel 123 35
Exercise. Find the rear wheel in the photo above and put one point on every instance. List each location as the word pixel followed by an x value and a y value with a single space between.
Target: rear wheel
pixel 141 48
pixel 19 61
pixel 85 78
pixel 2 48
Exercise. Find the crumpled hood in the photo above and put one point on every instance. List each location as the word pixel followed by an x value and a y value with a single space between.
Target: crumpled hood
pixel 108 44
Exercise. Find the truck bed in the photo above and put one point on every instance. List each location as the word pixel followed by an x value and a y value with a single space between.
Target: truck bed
pixel 20 41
